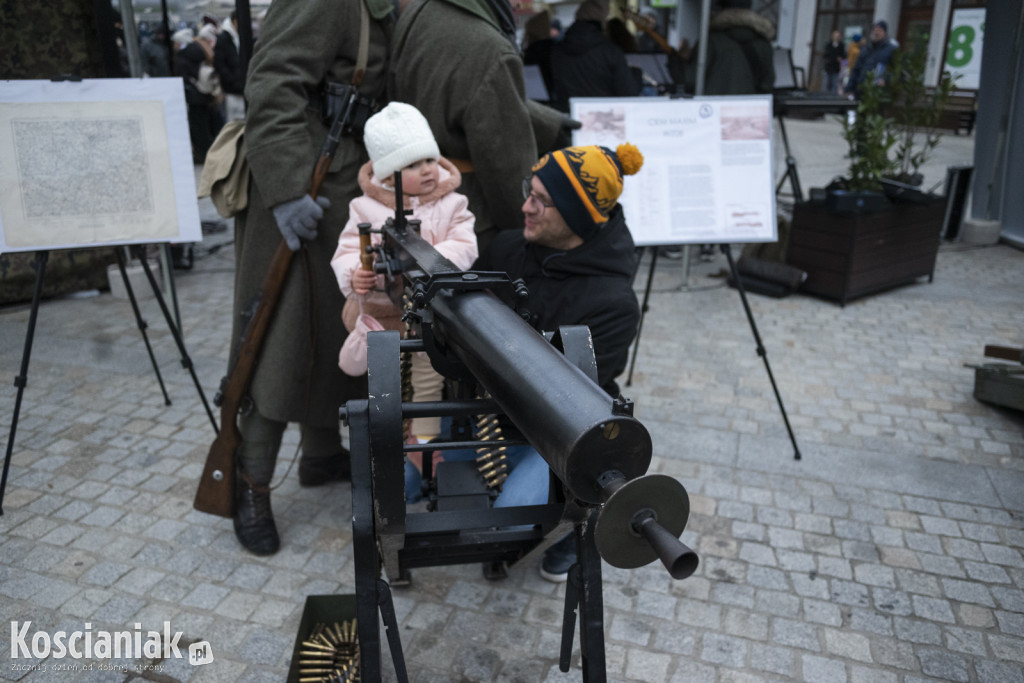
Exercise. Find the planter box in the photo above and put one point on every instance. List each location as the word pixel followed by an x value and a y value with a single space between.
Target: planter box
pixel 850 255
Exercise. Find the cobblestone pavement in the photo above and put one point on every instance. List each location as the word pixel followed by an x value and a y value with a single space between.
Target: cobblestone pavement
pixel 891 552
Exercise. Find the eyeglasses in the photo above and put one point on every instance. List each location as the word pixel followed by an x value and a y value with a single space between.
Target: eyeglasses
pixel 532 197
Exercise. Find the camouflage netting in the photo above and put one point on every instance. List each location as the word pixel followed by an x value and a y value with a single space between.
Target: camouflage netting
pixel 61 37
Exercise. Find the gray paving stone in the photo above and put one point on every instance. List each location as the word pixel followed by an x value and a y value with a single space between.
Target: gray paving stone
pixel 821 670
pixel 725 650
pixel 1008 598
pixel 998 671
pixel 1007 648
pixel 944 665
pixel 1000 554
pixel 795 634
pixel 917 631
pixel 894 653
pixel 848 645
pixel 870 621
pixel 933 609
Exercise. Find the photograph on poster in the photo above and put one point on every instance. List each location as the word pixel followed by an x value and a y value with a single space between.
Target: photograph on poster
pixel 707 176
pixel 95 163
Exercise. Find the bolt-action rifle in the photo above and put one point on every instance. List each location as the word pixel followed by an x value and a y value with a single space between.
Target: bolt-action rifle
pixel 215 494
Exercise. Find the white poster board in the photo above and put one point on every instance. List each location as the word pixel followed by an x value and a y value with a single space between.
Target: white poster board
pixel 95 162
pixel 707 176
pixel 966 39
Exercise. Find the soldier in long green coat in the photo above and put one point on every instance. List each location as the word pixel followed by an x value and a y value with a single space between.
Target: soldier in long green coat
pixel 303 45
pixel 453 60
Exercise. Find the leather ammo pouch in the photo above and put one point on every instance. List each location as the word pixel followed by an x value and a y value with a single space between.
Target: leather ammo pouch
pixel 345 99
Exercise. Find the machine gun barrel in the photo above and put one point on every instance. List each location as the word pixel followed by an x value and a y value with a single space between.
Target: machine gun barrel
pixel 564 414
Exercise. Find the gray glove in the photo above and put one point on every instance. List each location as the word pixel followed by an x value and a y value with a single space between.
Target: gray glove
pixel 297 219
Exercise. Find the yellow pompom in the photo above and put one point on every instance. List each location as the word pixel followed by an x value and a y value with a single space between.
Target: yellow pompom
pixel 630 158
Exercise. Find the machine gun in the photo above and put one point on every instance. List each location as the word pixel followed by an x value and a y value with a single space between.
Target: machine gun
pixel 597 451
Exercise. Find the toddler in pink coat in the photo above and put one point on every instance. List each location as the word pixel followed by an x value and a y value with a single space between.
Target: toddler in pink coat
pixel 398 138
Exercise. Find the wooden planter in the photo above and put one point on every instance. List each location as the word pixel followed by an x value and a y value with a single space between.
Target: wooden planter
pixel 850 255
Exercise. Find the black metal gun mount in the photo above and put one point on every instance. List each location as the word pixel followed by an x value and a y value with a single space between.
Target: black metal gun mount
pixel 597 451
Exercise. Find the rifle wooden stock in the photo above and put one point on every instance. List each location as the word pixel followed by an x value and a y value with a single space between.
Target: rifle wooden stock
pixel 215 494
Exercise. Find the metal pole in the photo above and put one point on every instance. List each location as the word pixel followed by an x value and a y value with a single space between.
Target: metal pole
pixel 702 45
pixel 131 39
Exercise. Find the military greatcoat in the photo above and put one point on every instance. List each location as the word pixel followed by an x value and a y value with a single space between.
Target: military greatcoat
pixel 303 44
pixel 451 61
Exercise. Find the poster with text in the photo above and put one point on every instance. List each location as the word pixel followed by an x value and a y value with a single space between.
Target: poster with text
pixel 707 176
pixel 95 162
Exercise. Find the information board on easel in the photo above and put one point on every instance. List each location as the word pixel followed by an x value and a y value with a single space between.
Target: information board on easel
pixel 95 162
pixel 707 176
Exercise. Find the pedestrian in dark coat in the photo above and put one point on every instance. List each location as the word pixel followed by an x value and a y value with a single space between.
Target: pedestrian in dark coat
pixel 585 63
pixel 203 117
pixel 832 62
pixel 874 59
pixel 740 57
pixel 156 59
pixel 303 45
pixel 457 62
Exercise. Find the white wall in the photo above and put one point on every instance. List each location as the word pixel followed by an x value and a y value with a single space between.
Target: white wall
pixel 803 34
pixel 937 42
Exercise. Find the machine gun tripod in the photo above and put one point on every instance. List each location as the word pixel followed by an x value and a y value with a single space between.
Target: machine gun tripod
pixel 596 450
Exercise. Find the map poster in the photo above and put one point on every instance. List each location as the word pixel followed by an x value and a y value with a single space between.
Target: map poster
pixel 96 162
pixel 707 176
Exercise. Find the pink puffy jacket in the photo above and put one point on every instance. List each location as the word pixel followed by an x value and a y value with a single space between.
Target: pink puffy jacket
pixel 445 222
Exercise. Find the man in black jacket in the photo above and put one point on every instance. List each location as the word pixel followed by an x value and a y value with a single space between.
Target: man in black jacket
pixel 585 63
pixel 577 258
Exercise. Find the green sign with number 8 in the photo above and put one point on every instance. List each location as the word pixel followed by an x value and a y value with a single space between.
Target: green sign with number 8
pixel 961 51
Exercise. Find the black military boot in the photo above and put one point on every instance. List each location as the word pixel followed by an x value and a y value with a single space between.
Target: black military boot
pixel 317 470
pixel 254 520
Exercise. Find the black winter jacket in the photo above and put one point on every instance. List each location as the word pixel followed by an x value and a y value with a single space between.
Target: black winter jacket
pixel 589 285
pixel 586 64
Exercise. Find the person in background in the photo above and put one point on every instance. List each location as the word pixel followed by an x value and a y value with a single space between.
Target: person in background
pixel 874 58
pixel 740 57
pixel 203 118
pixel 832 62
pixel 229 69
pixel 156 61
pixel 585 63
pixel 537 43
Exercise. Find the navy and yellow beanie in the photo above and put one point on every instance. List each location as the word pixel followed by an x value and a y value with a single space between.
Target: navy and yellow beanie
pixel 585 182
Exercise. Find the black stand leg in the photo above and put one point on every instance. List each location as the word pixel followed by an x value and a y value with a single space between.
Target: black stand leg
pixel 170 283
pixel 573 587
pixel 22 379
pixel 794 179
pixel 387 613
pixel 364 544
pixel 760 347
pixel 140 322
pixel 372 593
pixel 591 605
pixel 583 591
pixel 643 312
pixel 186 362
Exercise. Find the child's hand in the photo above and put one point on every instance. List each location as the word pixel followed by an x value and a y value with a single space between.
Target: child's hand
pixel 363 281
